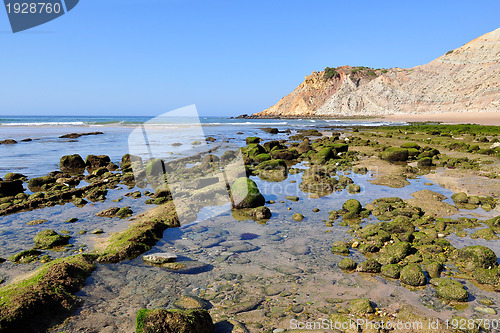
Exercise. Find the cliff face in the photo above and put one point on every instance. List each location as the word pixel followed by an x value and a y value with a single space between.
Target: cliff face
pixel 465 79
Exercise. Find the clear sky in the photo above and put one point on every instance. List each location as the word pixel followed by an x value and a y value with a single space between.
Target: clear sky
pixel 146 57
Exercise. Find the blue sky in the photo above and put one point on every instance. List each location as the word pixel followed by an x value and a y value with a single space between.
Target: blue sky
pixel 146 57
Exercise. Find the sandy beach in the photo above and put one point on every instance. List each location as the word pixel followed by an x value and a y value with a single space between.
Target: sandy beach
pixel 481 118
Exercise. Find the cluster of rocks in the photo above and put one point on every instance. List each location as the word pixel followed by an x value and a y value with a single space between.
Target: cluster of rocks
pixel 410 246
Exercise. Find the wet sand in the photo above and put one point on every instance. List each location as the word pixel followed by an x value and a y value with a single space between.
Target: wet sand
pixel 481 118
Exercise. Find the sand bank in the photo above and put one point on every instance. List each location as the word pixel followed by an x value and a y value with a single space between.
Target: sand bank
pixel 482 118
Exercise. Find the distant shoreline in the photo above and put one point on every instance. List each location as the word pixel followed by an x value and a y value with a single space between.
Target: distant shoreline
pixel 482 118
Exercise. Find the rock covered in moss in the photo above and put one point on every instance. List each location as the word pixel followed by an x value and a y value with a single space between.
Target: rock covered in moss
pixel 38 182
pixel 353 206
pixel 252 139
pixel 353 188
pixel 460 198
pixel 49 239
pixel 394 253
pixel 392 271
pixel 360 306
pixel 394 154
pixel 434 269
pixel 97 161
pixel 472 257
pixel 246 194
pixel 369 266
pixel 340 247
pixel 348 264
pixel 169 321
pixel 413 275
pixel 425 162
pixel 452 290
pixel 71 163
pixel 487 276
pixel 297 217
pixel 124 212
pixel 323 156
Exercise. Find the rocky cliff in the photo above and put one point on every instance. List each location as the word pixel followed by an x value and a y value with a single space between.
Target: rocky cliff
pixel 464 79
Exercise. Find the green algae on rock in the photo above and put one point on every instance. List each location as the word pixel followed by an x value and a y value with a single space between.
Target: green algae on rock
pixel 246 194
pixel 451 290
pixel 165 321
pixel 413 275
pixel 49 239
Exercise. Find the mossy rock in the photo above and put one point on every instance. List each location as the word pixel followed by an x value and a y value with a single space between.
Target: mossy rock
pixel 413 152
pixel 252 139
pixel 246 194
pixel 72 163
pixel 360 306
pixel 486 233
pixel 369 266
pixel 297 217
pixel 434 269
pixel 340 247
pixel 412 145
pixel 460 198
pixel 26 256
pixel 262 158
pixel 272 165
pixel 340 147
pixel 323 156
pixel 394 253
pixel 165 321
pixel 347 264
pixel 425 162
pixel 353 206
pixel 487 276
pixel 49 239
pixel 394 154
pixel 413 275
pixel 97 161
pixel 353 188
pixel 38 182
pixel 452 290
pixel 391 271
pixel 472 257
pixel 368 248
pixel 124 212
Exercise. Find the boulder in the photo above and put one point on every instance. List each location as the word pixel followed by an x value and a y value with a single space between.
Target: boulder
pixel 169 321
pixel 473 257
pixel 452 290
pixel 159 258
pixel 9 188
pixel 347 264
pixel 413 275
pixel 49 239
pixel 394 154
pixel 246 194
pixel 353 206
pixel 97 161
pixel 72 163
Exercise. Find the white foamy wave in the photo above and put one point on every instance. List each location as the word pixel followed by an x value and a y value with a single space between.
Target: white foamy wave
pixel 67 123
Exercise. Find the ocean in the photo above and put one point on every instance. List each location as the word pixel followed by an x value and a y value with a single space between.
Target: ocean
pixel 41 155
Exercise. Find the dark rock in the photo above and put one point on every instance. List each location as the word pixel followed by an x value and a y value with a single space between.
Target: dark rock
pixel 77 135
pixel 10 188
pixel 110 212
pixel 95 162
pixel 72 163
pixel 8 142
pixel 169 321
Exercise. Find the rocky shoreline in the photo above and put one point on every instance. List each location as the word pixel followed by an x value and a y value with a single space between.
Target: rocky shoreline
pixel 401 240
